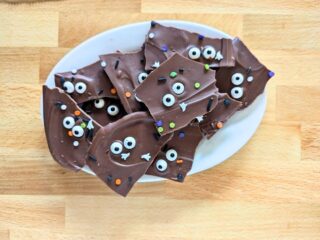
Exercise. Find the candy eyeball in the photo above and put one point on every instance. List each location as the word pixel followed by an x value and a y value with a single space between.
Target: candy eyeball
pixel 80 87
pixel 142 76
pixel 209 52
pixel 250 78
pixel 68 87
pixel 116 148
pixel 168 100
pixel 77 131
pixel 129 142
pixel 161 165
pixel 178 88
pixel 99 103
pixel 68 122
pixel 171 155
pixel 194 53
pixel 113 110
pixel 236 92
pixel 237 79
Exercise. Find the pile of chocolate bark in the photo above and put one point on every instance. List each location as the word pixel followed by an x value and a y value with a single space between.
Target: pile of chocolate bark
pixel 145 112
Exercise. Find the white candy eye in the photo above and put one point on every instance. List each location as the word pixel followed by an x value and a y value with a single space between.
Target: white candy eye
pixel 113 110
pixel 77 131
pixel 250 78
pixel 142 76
pixel 171 155
pixel 237 92
pixel 237 79
pixel 209 52
pixel 161 165
pixel 68 122
pixel 80 87
pixel 116 147
pixel 99 103
pixel 129 142
pixel 68 87
pixel 168 100
pixel 194 53
pixel 178 88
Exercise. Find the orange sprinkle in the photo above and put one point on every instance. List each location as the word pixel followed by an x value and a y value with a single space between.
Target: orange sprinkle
pixel 70 133
pixel 179 161
pixel 219 125
pixel 117 182
pixel 127 94
pixel 113 91
pixel 77 113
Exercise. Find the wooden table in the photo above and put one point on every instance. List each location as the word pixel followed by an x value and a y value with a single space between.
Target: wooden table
pixel 268 190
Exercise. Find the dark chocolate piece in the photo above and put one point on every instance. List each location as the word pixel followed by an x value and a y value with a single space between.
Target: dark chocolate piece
pixel 175 160
pixel 175 103
pixel 214 120
pixel 85 84
pixel 104 110
pixel 126 72
pixel 124 150
pixel 247 79
pixel 164 41
pixel 68 128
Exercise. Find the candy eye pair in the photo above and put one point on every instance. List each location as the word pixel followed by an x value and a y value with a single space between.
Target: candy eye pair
pixel 162 165
pixel 142 76
pixel 237 79
pixel 69 123
pixel 80 87
pixel 117 147
pixel 112 110
pixel 208 52
pixel 168 99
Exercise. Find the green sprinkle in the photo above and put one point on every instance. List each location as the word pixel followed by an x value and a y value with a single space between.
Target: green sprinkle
pixel 172 125
pixel 197 85
pixel 83 125
pixel 206 67
pixel 160 129
pixel 173 74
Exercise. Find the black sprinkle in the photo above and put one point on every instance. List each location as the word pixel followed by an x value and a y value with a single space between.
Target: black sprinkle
pixel 141 60
pixel 72 79
pixel 153 23
pixel 162 79
pixel 92 158
pixel 249 70
pixel 109 178
pixel 180 177
pixel 226 102
pixel 156 136
pixel 181 70
pixel 90 135
pixel 100 92
pixel 62 80
pixel 209 104
pixel 116 65
pixel 165 148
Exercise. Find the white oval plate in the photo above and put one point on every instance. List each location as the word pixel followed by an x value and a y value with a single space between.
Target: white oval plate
pixel 227 141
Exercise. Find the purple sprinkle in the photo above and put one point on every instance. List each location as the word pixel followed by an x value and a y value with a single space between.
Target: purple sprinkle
pixel 164 48
pixel 271 74
pixel 159 123
pixel 153 23
pixel 181 134
pixel 200 37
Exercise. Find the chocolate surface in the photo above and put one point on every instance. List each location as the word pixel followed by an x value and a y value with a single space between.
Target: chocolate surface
pixel 177 92
pixel 214 120
pixel 217 52
pixel 126 72
pixel 104 110
pixel 176 158
pixel 69 130
pixel 85 84
pixel 123 150
pixel 247 79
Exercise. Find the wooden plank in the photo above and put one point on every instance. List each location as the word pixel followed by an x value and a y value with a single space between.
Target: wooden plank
pixel 310 141
pixel 78 26
pixel 18 29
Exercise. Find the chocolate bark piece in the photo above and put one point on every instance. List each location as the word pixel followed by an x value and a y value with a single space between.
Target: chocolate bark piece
pixel 123 150
pixel 176 158
pixel 85 84
pixel 104 110
pixel 214 120
pixel 247 79
pixel 177 92
pixel 217 52
pixel 69 130
pixel 126 72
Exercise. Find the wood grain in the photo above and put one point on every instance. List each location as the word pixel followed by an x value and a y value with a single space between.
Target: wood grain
pixel 270 189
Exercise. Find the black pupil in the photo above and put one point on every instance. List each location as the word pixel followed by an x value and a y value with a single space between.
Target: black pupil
pixel 143 77
pixel 116 149
pixel 172 155
pixel 160 166
pixel 168 99
pixel 178 87
pixel 80 87
pixel 76 132
pixel 236 91
pixel 112 109
pixel 209 52
pixel 237 78
pixel 67 122
pixel 194 53
pixel 129 143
